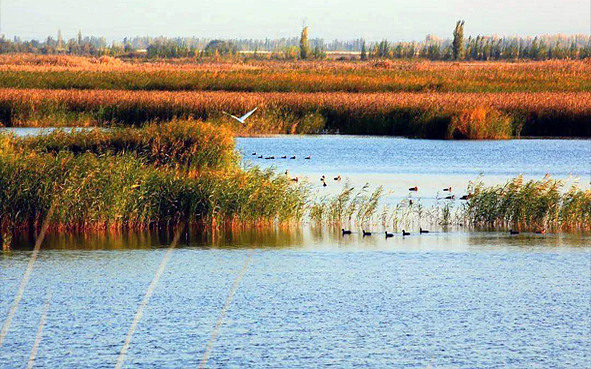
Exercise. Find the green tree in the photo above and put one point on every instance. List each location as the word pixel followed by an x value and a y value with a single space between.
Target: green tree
pixel 458 43
pixel 363 51
pixel 304 44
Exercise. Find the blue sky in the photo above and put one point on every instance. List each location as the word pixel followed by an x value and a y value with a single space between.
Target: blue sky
pixel 395 20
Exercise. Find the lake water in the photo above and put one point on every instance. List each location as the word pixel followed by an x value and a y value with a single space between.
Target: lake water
pixel 310 297
pixel 397 164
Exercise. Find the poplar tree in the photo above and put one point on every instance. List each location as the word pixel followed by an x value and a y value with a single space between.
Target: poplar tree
pixel 363 51
pixel 304 44
pixel 458 43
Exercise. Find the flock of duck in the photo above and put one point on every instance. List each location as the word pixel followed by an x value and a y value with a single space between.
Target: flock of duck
pixel 388 235
pixel 421 231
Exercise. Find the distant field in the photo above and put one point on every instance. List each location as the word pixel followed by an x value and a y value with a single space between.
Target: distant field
pixel 60 72
pixel 418 98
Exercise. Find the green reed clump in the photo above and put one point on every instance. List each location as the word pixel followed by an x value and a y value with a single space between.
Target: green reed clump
pixel 347 206
pixel 189 144
pixel 138 178
pixel 529 205
pixel 114 191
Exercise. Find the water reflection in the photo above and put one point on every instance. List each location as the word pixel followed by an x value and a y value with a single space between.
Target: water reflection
pixel 307 236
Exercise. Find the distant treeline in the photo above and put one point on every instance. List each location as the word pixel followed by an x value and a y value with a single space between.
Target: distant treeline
pixel 432 48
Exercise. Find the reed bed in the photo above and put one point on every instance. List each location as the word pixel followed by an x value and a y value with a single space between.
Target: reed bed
pixel 532 206
pixel 64 72
pixel 104 187
pixel 404 114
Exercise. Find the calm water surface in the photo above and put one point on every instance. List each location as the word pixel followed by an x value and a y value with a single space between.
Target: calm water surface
pixel 399 163
pixel 312 298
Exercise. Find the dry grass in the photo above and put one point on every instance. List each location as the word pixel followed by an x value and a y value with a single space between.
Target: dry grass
pixel 54 72
pixel 412 114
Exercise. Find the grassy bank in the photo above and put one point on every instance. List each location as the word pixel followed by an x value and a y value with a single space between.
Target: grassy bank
pixel 51 72
pixel 96 182
pixel 432 115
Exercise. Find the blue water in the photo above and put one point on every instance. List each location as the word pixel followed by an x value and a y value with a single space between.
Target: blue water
pixel 311 297
pixel 390 155
pixel 445 300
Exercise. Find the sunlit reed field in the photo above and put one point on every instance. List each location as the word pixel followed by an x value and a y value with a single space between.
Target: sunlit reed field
pixel 403 98
pixel 428 115
pixel 64 72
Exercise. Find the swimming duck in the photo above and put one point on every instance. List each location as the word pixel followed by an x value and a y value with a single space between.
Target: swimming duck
pixel 345 232
pixel 388 235
pixel 366 233
pixel 415 188
pixel 404 233
pixel 421 231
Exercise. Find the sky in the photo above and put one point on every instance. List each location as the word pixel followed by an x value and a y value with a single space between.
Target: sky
pixel 373 20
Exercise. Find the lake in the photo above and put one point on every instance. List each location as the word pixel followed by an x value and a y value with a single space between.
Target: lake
pixel 310 297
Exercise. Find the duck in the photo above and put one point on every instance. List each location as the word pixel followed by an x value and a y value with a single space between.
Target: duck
pixel 260 156
pixel 466 197
pixel 293 157
pixel 287 173
pixel 366 233
pixel 254 153
pixel 324 184
pixel 415 188
pixel 337 178
pixel 323 178
pixel 295 179
pixel 451 197
pixel 388 235
pixel 270 157
pixel 410 202
pixel 284 157
pixel 405 233
pixel 421 231
pixel 541 231
pixel 448 189
pixel 308 157
pixel 345 232
pixel 512 232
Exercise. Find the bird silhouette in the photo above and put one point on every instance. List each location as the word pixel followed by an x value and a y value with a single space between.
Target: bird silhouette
pixel 242 119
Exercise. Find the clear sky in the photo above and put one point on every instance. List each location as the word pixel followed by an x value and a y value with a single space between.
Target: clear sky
pixel 395 20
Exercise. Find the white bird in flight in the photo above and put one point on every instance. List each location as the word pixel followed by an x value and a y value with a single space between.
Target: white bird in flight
pixel 242 118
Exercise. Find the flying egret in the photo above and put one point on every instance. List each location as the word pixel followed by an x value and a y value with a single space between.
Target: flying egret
pixel 242 118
